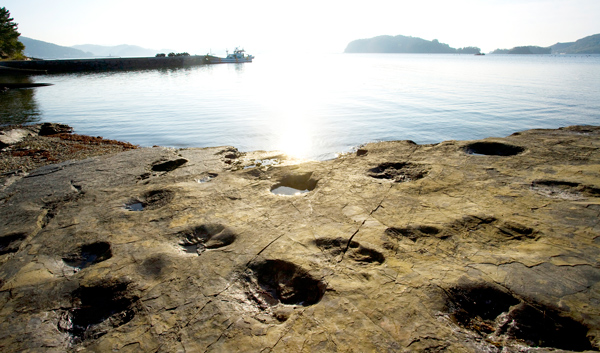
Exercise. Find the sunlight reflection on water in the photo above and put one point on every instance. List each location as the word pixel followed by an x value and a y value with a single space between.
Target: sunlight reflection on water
pixel 317 106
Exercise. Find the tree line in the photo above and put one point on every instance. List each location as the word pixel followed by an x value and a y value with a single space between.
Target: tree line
pixel 10 46
pixel 162 55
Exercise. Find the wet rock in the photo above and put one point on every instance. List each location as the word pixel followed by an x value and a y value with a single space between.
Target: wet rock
pixel 53 129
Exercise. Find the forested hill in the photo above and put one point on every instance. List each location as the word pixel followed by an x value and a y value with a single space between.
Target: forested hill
pixel 403 44
pixel 587 45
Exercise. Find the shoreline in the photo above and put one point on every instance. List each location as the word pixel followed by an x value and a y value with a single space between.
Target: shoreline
pixel 27 147
pixel 33 146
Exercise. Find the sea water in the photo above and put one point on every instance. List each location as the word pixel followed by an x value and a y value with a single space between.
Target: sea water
pixel 315 106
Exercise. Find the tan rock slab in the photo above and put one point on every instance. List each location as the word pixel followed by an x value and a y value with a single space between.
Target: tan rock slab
pixel 463 246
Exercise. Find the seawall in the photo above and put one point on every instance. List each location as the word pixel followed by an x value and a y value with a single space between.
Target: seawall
pixel 105 64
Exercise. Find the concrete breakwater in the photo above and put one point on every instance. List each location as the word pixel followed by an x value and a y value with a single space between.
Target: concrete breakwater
pixel 104 64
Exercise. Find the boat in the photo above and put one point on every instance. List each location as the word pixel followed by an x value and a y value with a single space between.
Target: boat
pixel 238 56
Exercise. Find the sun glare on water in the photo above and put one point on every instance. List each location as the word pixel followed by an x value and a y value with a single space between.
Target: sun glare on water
pixel 293 101
pixel 294 139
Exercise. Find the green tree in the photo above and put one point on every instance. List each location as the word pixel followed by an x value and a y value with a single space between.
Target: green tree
pixel 10 47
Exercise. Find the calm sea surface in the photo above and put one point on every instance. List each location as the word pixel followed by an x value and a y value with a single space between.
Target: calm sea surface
pixel 317 106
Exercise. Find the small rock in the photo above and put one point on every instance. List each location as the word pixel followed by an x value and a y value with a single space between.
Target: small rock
pixel 361 152
pixel 13 136
pixel 53 129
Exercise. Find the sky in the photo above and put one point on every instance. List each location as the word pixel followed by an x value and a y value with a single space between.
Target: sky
pixel 302 27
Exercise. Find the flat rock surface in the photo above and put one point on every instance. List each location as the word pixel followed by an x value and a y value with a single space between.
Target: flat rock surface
pixel 463 246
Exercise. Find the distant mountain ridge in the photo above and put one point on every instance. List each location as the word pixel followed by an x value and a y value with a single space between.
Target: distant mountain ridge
pixel 43 50
pixel 123 50
pixel 403 44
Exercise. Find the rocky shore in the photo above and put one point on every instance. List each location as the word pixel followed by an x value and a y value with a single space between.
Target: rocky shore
pixel 463 246
pixel 24 148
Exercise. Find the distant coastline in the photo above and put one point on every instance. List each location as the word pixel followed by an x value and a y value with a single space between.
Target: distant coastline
pixel 415 45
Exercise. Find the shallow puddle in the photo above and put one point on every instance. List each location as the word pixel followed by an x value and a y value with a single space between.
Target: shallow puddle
pixel 288 191
pixel 193 249
pixel 207 178
pixel 137 206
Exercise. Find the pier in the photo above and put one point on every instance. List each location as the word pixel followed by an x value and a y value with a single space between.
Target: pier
pixel 105 64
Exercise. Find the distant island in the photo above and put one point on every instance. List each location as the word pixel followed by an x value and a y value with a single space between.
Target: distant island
pixel 404 44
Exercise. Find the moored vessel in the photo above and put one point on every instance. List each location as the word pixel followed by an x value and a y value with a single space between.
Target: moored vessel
pixel 238 56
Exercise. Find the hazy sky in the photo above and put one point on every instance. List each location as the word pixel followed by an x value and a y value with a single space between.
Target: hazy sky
pixel 282 26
